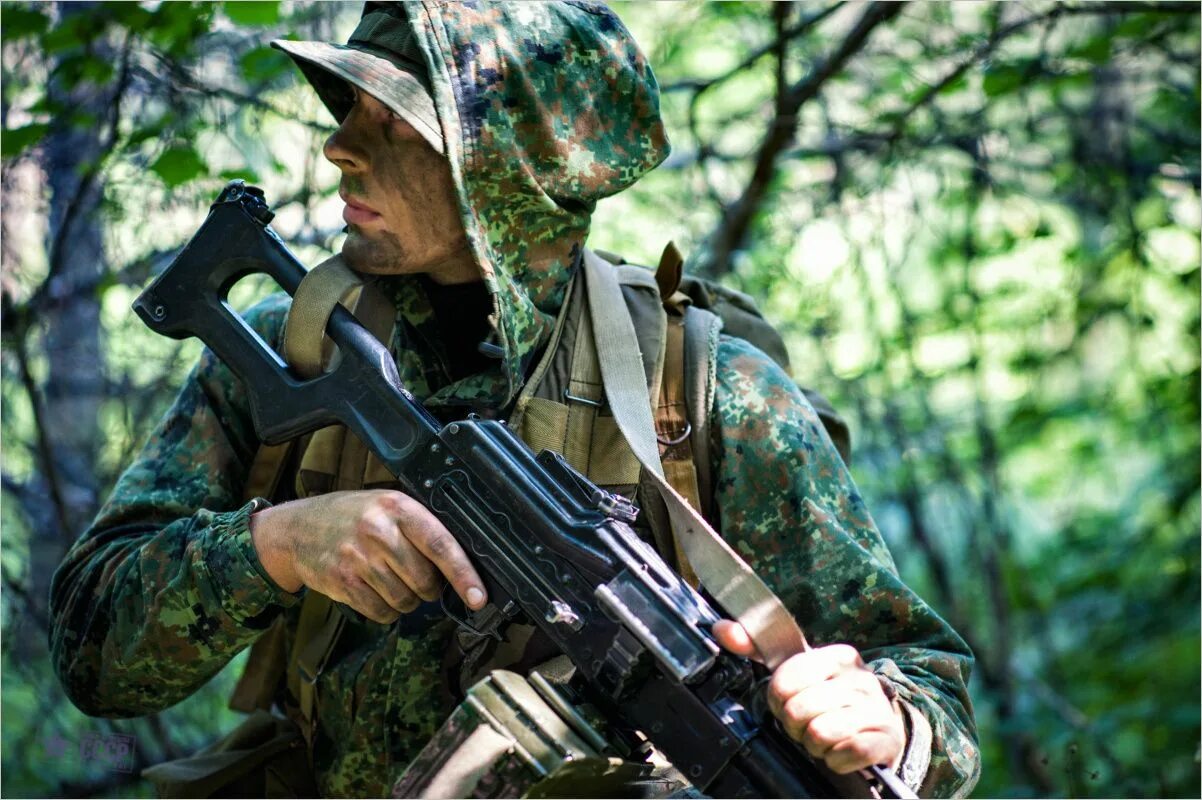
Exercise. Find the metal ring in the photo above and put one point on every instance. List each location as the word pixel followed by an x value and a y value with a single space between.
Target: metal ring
pixel 585 400
pixel 688 428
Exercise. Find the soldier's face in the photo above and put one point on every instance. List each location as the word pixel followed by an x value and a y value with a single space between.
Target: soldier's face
pixel 401 210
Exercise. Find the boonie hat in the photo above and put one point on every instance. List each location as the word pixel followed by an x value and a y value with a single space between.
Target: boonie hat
pixel 382 58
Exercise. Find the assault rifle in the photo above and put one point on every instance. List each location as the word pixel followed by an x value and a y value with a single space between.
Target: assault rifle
pixel 552 547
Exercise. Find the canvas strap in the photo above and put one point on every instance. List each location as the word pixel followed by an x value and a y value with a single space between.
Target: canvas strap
pixel 309 352
pixel 732 583
pixel 307 349
pixel 674 432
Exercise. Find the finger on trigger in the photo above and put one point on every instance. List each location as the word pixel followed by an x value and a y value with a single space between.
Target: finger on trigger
pixel 436 543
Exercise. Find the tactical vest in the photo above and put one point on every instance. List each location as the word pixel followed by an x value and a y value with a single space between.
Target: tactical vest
pixel 562 407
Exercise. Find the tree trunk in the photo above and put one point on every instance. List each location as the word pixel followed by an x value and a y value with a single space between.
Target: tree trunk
pixel 73 389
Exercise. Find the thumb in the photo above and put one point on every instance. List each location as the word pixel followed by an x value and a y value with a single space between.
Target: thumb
pixel 734 637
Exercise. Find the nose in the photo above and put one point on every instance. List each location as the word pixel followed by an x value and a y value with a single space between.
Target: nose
pixel 344 147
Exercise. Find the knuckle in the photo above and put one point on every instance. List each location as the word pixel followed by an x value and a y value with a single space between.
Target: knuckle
pixel 783 686
pixel 344 573
pixel 371 525
pixel 845 654
pixel 383 614
pixel 777 695
pixel 428 587
pixel 440 544
pixel 461 571
pixel 346 551
pixel 408 603
pixel 817 732
pixel 399 505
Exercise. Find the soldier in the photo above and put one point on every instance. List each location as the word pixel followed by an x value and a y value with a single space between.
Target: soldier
pixel 474 142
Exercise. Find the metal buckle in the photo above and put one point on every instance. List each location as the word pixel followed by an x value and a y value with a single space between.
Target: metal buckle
pixel 568 396
pixel 688 428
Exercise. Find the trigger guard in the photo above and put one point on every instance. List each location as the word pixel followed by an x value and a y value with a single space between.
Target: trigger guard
pixel 485 622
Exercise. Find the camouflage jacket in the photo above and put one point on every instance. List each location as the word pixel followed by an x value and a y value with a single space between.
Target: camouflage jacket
pixel 546 108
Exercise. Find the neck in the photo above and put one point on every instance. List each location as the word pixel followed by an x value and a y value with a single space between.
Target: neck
pixel 456 269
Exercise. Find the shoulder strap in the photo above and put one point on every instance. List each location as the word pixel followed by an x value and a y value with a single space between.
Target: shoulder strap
pixel 673 431
pixel 737 589
pixel 308 351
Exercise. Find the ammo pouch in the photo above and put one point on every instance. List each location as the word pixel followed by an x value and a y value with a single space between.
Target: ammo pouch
pixel 263 757
pixel 518 737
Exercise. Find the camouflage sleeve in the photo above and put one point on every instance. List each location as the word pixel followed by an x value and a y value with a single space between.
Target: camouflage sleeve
pixel 165 586
pixel 788 504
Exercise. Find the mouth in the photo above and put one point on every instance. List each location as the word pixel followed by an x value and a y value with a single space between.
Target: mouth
pixel 357 212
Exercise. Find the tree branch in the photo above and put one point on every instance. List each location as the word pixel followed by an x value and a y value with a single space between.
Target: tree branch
pixel 700 86
pixel 45 452
pixel 732 229
pixel 88 178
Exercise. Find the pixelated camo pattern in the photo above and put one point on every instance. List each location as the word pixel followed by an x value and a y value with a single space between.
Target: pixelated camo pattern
pixel 788 504
pixel 546 108
pixel 536 134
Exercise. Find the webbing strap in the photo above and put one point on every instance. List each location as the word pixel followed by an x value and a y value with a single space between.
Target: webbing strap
pixel 673 430
pixel 318 628
pixel 733 584
pixel 306 348
pixel 308 351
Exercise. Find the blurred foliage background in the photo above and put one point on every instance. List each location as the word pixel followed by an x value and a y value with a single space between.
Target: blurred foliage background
pixel 976 223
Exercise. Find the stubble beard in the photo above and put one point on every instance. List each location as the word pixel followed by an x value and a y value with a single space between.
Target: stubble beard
pixel 379 255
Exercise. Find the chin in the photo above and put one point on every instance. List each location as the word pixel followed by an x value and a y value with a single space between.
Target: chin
pixel 372 257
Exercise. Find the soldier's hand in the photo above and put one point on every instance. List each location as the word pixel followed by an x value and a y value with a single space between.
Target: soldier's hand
pixel 381 552
pixel 828 700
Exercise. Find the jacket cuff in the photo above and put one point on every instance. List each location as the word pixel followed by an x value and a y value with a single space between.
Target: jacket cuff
pixel 916 758
pixel 245 590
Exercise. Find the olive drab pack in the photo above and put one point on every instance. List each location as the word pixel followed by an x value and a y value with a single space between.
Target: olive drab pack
pixel 563 407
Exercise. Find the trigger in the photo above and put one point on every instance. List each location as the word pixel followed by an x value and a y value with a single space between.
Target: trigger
pixel 485 622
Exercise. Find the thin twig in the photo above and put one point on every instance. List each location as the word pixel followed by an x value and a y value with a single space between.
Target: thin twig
pixel 45 450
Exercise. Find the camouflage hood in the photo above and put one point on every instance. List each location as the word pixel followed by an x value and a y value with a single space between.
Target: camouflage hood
pixel 545 108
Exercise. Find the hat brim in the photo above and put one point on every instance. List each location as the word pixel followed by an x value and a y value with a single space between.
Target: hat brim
pixel 379 77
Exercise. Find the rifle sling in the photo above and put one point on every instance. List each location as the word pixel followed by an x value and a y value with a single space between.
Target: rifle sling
pixel 733 584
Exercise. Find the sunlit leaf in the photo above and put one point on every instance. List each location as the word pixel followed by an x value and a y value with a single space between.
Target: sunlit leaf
pixel 178 165
pixel 248 175
pixel 253 13
pixel 1004 78
pixel 263 63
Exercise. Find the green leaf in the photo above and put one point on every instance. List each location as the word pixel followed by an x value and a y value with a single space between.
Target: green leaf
pixel 178 165
pixel 248 175
pixel 1096 50
pixel 178 27
pixel 253 13
pixel 1004 78
pixel 263 63
pixel 132 16
pixel 97 71
pixel 16 140
pixel 17 23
